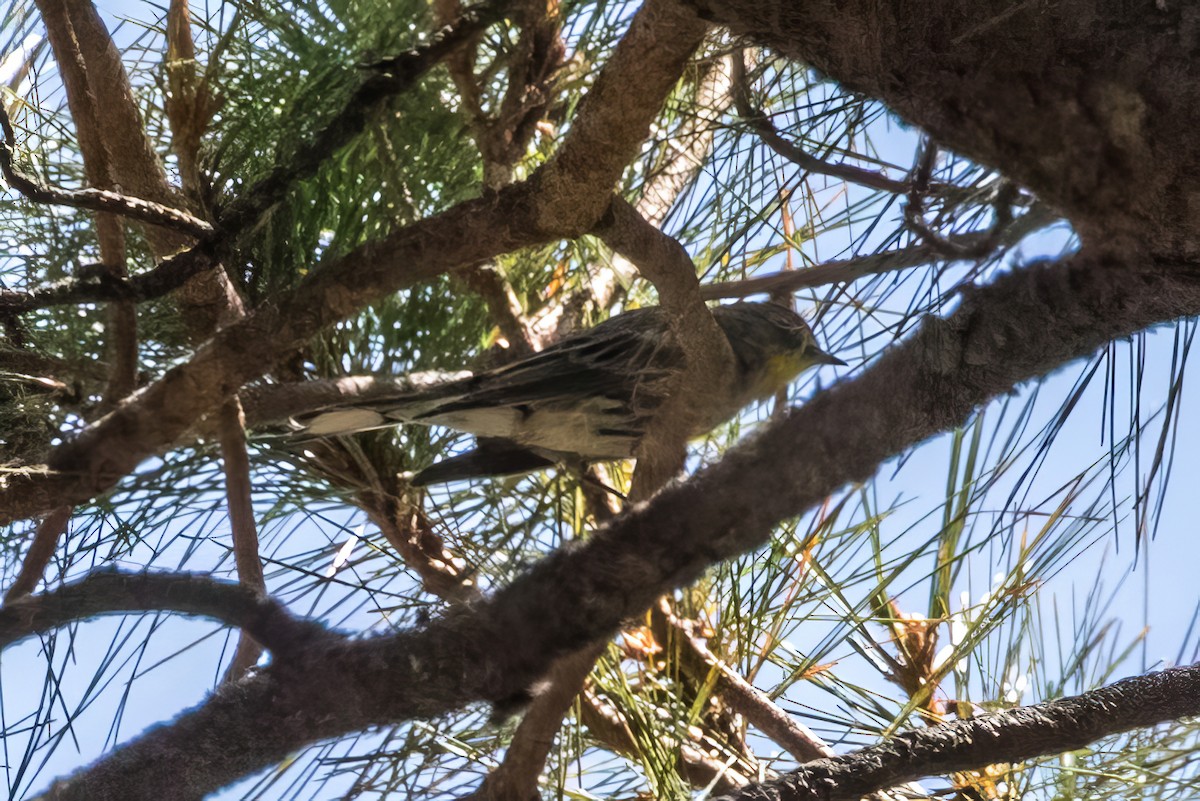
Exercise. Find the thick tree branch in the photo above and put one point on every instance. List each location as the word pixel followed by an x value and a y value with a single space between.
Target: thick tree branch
pixel 612 122
pixel 1014 735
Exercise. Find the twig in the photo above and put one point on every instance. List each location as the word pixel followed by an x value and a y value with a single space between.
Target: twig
pixel 388 78
pixel 504 307
pixel 41 550
pixel 244 530
pixel 914 212
pixel 853 269
pixel 744 698
pixel 407 529
pixel 97 285
pixel 771 137
pixel 100 200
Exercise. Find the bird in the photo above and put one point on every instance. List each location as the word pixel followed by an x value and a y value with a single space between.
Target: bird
pixel 588 397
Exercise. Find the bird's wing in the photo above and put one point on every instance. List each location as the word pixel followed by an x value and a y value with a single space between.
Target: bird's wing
pixel 620 366
pixel 617 360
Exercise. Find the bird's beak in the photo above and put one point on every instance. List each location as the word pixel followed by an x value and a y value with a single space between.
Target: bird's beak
pixel 821 357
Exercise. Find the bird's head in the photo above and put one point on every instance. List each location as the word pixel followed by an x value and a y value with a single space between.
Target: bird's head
pixel 772 345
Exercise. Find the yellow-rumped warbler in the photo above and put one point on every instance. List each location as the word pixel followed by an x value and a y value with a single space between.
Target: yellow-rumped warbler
pixel 590 396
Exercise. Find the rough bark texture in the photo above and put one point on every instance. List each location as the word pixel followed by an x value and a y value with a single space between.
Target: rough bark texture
pixel 1057 726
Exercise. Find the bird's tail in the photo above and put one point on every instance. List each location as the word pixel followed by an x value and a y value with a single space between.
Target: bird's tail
pixel 492 457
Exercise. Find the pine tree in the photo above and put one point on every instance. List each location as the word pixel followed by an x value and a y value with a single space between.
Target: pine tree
pixel 221 218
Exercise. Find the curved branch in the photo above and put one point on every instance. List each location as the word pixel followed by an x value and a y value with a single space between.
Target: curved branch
pixel 710 364
pixel 771 137
pixel 106 592
pixel 101 200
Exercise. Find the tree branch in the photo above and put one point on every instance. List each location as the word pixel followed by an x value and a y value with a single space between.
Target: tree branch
pixel 408 530
pixel 847 270
pixel 1014 735
pixel 98 286
pixel 762 125
pixel 662 260
pixel 745 699
pixel 99 200
pixel 105 592
pixel 661 454
pixel 41 551
pixel 243 528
